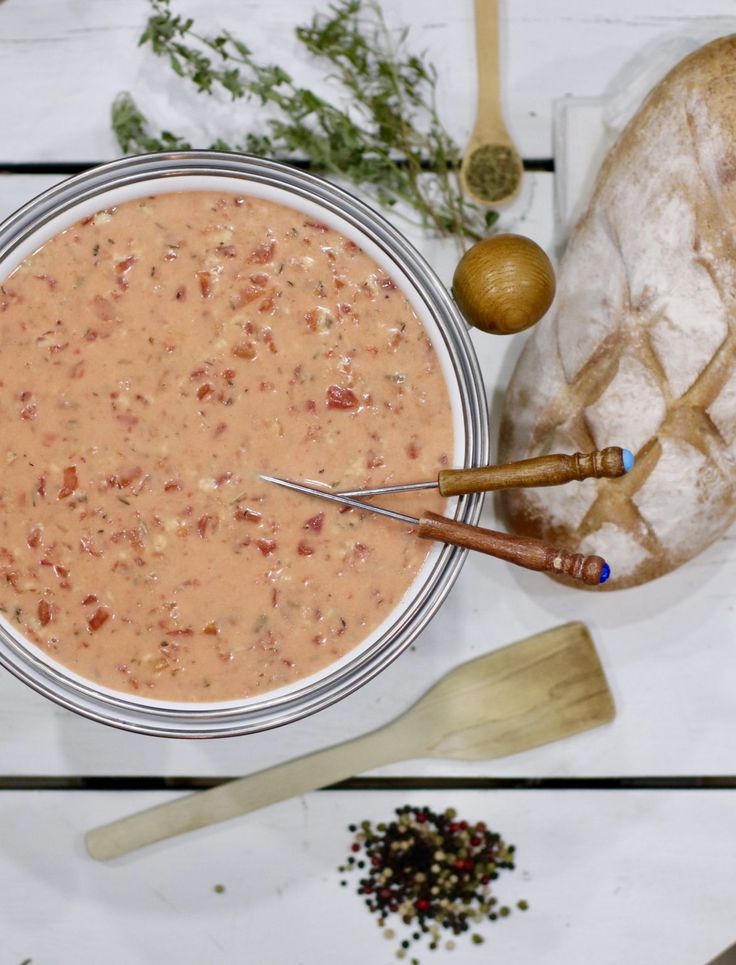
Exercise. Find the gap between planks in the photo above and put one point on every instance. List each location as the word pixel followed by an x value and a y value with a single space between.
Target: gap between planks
pixel 77 167
pixel 152 783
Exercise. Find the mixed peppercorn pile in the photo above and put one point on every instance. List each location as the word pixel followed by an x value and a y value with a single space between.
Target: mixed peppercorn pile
pixel 432 871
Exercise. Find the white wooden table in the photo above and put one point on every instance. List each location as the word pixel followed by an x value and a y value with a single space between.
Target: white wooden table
pixel 626 835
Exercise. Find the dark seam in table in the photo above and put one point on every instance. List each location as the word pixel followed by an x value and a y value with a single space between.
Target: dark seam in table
pixel 181 783
pixel 77 167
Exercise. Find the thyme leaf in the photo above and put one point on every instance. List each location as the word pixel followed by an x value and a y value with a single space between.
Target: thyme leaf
pixel 390 141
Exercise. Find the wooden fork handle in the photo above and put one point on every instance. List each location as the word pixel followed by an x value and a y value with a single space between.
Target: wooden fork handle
pixel 524 551
pixel 541 471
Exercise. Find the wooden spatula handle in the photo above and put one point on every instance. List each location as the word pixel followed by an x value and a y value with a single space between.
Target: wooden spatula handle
pixel 487 59
pixel 541 471
pixel 246 794
pixel 524 551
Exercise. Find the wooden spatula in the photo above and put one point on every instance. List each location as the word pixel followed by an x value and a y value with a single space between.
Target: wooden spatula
pixel 532 692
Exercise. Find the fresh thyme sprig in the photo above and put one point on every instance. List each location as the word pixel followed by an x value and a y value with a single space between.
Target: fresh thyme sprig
pixel 390 141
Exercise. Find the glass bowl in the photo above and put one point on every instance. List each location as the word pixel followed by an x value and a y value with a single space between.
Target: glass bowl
pixel 111 184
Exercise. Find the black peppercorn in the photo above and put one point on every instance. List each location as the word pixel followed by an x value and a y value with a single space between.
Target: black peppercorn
pixel 432 870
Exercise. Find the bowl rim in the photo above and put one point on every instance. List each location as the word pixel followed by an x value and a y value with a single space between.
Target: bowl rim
pixel 231 718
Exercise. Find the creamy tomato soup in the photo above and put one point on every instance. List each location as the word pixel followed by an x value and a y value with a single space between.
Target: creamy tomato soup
pixel 154 359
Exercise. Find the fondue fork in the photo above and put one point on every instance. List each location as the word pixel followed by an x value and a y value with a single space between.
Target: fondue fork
pixel 553 470
pixel 533 554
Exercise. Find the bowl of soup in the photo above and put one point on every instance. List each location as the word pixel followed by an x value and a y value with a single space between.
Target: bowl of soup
pixel 171 328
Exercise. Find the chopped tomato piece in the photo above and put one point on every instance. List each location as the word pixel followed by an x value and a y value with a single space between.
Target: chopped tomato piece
pixel 244 297
pixel 202 524
pixel 244 350
pixel 339 397
pixel 315 523
pixel 266 546
pixel 304 548
pixel 129 476
pixel 100 616
pixel 125 265
pixel 44 613
pixel 263 253
pixel 70 482
pixel 242 512
pixel 205 283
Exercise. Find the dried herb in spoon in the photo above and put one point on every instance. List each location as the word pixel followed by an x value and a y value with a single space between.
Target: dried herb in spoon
pixel 493 172
pixel 389 140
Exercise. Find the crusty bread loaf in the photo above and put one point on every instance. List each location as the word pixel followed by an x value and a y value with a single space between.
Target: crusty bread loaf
pixel 639 349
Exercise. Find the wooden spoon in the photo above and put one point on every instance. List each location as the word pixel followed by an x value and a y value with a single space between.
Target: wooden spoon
pixel 491 171
pixel 541 689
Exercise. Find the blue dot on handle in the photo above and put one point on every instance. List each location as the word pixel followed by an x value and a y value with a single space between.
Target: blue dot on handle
pixel 628 461
pixel 605 573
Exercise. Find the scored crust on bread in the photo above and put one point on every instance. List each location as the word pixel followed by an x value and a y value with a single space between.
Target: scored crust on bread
pixel 639 349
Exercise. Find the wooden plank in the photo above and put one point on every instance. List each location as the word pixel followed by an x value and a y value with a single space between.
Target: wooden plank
pixel 62 62
pixel 667 648
pixel 609 877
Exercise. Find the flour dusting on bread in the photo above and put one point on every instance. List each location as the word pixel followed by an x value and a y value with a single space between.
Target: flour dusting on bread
pixel 640 348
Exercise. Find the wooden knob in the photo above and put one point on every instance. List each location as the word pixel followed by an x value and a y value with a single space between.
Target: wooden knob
pixel 504 284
